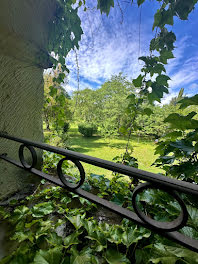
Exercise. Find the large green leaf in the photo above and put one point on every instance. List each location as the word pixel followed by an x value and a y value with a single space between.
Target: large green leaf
pixel 82 257
pixel 41 209
pixel 189 101
pixel 185 146
pixel 170 254
pixel 133 235
pixel 25 235
pixel 163 17
pixel 182 122
pixel 174 135
pixel 162 80
pixel 76 220
pixel 50 256
pixel 157 92
pixel 72 239
pixel 20 213
pixel 138 81
pixel 183 8
pixel 105 5
pixel 115 235
pixel 140 2
pixel 113 256
pixel 166 55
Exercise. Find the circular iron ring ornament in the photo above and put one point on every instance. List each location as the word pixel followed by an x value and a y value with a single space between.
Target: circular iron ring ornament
pixel 174 225
pixel 69 185
pixel 22 159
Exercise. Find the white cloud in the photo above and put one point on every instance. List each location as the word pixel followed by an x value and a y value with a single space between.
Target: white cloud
pixel 167 98
pixel 107 47
pixel 183 70
pixel 193 87
pixel 186 74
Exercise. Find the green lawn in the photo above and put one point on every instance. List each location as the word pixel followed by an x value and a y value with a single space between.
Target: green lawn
pixel 109 148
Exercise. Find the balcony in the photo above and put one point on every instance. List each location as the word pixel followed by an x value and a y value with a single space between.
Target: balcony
pixel 147 180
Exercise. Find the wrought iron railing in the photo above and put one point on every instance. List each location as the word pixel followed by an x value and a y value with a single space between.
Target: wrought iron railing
pixel 152 181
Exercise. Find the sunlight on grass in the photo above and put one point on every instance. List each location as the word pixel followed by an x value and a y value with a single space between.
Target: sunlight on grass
pixel 109 148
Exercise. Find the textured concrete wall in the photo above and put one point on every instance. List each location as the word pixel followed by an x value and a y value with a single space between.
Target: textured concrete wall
pixel 24 31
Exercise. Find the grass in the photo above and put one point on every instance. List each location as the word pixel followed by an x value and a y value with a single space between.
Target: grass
pixel 109 148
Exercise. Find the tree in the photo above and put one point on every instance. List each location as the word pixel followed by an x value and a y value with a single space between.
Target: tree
pixel 153 124
pixel 56 109
pixel 112 103
pixel 105 106
pixel 176 99
pixel 85 106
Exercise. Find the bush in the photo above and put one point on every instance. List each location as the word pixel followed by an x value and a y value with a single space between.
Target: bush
pixel 66 127
pixel 87 130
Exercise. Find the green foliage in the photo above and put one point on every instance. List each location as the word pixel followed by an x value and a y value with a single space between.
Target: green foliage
pixel 85 239
pixel 152 123
pixel 127 159
pixel 163 44
pixel 106 106
pixel 65 31
pixel 87 130
pixel 56 108
pixel 178 156
pixel 189 101
pixel 105 5
pixel 182 122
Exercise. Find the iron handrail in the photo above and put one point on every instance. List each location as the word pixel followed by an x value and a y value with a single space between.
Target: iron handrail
pixel 156 181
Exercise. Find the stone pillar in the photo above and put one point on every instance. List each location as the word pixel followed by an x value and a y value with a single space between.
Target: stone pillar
pixel 24 31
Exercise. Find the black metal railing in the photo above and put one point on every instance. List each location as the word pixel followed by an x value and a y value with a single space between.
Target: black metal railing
pixel 152 181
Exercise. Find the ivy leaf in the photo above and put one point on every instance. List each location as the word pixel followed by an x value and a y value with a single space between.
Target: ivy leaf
pixel 72 239
pixel 133 235
pixel 20 213
pixel 113 256
pixel 54 239
pixel 116 235
pixel 76 220
pixel 138 81
pixel 19 259
pixel 21 236
pixel 82 257
pixel 188 101
pixel 50 256
pixel 99 237
pixel 169 254
pixel 39 210
pixel 164 260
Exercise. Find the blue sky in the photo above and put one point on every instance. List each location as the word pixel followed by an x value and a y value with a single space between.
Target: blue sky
pixel 113 44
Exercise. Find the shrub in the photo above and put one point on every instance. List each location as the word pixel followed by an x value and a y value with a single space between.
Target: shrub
pixel 66 127
pixel 87 130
